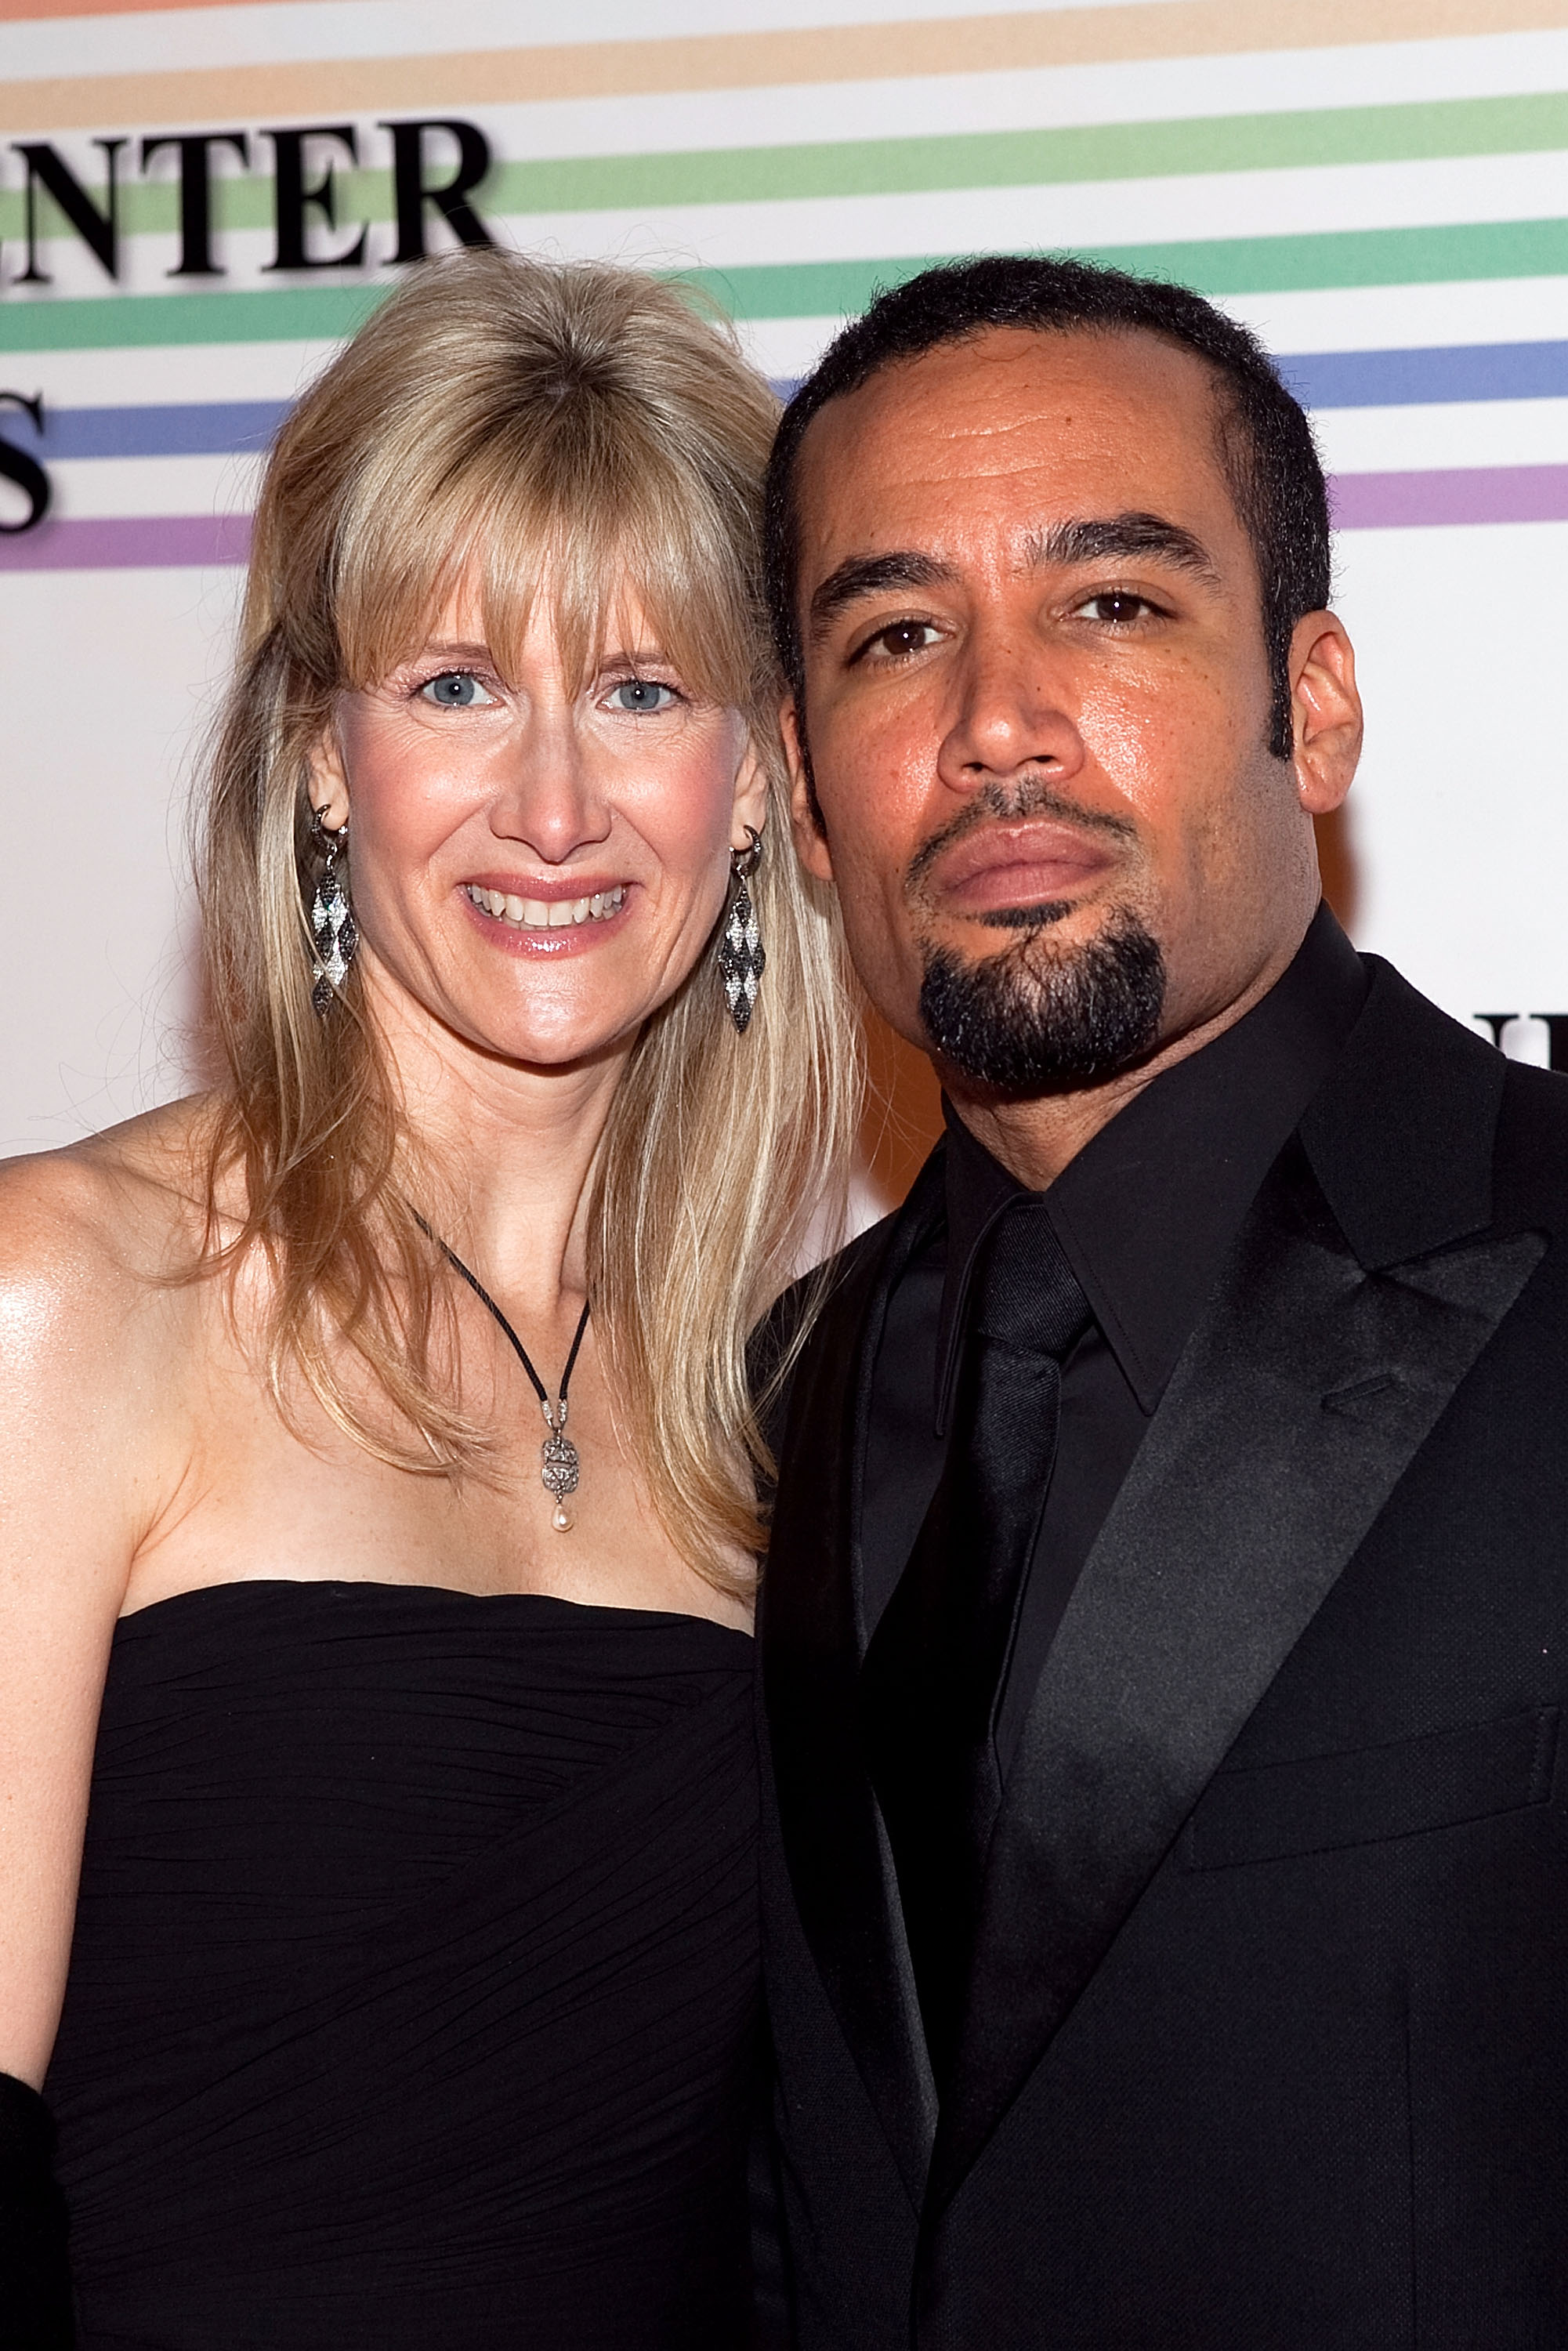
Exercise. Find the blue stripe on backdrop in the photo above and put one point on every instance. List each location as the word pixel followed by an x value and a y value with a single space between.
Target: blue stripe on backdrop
pixel 1394 379
pixel 1413 377
pixel 208 429
pixel 1426 377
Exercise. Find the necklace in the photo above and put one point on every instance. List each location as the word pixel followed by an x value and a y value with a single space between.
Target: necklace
pixel 559 1460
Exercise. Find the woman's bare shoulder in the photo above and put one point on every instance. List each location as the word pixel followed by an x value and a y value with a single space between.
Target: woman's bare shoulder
pixel 104 1224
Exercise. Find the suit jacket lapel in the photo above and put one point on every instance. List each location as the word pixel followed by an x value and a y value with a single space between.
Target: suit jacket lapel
pixel 812 1637
pixel 1298 1404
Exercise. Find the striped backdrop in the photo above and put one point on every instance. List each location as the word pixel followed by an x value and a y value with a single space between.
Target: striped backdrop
pixel 1380 187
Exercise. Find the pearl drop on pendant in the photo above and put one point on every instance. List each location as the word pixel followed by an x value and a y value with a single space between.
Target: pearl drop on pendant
pixel 562 1518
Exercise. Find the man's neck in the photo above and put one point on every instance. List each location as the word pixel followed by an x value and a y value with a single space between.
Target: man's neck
pixel 1035 1136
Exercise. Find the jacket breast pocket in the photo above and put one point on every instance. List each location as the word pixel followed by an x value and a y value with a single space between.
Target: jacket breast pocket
pixel 1323 1803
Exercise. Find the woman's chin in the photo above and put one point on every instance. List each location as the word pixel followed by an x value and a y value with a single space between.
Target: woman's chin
pixel 554 1044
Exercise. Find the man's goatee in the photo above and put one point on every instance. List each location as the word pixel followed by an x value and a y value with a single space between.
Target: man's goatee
pixel 1029 1021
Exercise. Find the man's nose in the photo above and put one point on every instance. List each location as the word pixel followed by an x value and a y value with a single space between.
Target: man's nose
pixel 551 799
pixel 1012 709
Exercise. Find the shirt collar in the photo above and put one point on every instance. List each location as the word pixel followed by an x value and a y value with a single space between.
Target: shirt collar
pixel 1147 1210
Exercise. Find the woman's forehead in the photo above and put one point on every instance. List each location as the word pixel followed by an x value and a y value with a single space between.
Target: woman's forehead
pixel 484 596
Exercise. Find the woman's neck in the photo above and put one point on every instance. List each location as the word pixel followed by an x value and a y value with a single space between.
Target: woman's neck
pixel 505 1154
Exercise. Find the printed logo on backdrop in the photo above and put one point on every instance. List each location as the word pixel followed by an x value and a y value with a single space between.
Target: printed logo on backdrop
pixel 436 163
pixel 1540 1037
pixel 22 469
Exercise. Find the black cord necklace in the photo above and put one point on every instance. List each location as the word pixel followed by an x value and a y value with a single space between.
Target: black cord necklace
pixel 559 1461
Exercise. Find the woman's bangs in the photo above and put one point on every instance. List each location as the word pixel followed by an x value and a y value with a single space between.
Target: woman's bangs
pixel 614 557
pixel 598 545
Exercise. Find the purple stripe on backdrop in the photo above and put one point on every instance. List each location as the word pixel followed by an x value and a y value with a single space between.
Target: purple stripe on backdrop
pixel 126 542
pixel 1361 502
pixel 1470 493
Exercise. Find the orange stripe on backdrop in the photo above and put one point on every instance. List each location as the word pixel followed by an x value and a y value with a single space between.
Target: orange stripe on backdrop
pixel 1144 28
pixel 33 12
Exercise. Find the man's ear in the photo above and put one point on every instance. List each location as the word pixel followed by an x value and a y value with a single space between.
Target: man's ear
pixel 328 779
pixel 805 816
pixel 1325 710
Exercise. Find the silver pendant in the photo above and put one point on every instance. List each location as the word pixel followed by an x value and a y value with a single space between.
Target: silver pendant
pixel 559 1465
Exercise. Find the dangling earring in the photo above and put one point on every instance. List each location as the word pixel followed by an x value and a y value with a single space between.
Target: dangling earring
pixel 741 961
pixel 333 930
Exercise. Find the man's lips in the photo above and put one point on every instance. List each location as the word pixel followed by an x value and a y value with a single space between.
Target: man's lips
pixel 1001 865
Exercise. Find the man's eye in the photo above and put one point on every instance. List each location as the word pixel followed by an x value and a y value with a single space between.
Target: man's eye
pixel 904 638
pixel 454 689
pixel 641 695
pixel 1115 607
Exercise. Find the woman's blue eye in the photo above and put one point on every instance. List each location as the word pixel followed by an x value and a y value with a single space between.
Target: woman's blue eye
pixel 641 694
pixel 454 689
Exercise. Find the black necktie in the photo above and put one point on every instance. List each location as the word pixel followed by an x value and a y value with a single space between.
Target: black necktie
pixel 934 1671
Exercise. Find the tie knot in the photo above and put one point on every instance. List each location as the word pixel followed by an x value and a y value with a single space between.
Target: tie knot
pixel 1026 1296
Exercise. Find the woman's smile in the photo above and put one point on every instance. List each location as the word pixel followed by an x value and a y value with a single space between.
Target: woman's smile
pixel 528 921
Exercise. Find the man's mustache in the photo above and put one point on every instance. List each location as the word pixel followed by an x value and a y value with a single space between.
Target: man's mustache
pixel 1005 803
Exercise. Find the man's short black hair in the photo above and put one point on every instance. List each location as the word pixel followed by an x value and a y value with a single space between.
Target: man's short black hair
pixel 1265 442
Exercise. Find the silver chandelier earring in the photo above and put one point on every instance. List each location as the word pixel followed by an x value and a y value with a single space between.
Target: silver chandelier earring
pixel 741 960
pixel 332 933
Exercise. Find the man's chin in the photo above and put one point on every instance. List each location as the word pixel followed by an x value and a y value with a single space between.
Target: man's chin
pixel 1047 1013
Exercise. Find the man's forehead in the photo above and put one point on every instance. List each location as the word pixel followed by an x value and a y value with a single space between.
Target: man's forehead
pixel 1013 401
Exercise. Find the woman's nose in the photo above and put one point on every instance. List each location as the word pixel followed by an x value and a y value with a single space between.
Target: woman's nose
pixel 548 797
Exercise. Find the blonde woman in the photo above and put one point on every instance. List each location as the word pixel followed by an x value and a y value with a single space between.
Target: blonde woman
pixel 376 1507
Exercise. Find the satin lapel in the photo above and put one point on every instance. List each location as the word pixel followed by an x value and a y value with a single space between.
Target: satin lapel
pixel 1296 1407
pixel 811 1637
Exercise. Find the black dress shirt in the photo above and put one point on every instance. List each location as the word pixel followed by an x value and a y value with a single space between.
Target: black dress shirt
pixel 1145 1214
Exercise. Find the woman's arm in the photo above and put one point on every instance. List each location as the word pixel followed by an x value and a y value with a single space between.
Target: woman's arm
pixel 83 1407
pixel 73 1408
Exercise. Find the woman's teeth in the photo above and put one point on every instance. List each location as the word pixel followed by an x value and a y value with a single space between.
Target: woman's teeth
pixel 548 914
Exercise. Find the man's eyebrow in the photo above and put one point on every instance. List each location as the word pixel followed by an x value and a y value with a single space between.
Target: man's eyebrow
pixel 1115 537
pixel 873 575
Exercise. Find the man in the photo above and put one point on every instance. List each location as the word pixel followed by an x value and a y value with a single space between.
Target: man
pixel 1162 1637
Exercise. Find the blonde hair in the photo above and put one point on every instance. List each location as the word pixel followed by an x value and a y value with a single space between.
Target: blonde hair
pixel 523 418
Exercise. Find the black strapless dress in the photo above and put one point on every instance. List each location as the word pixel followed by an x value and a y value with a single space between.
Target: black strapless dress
pixel 413 1995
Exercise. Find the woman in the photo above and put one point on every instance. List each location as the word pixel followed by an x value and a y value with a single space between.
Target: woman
pixel 411 1997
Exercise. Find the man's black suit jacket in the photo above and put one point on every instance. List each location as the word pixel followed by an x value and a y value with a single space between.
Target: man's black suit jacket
pixel 1267 2048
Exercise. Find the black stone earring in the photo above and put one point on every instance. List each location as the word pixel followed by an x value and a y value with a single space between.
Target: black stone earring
pixel 741 960
pixel 332 931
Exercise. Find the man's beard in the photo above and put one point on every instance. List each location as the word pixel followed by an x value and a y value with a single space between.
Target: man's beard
pixel 1027 1021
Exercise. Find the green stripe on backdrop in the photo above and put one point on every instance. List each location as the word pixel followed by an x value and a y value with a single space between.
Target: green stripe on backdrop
pixel 1243 264
pixel 1007 159
pixel 1444 129
pixel 1256 264
pixel 115 321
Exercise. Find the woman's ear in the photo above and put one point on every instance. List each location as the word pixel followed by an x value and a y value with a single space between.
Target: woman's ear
pixel 750 798
pixel 328 780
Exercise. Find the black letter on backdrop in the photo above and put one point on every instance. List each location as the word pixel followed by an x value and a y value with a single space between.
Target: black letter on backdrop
pixel 293 198
pixel 1556 1030
pixel 51 172
pixel 15 465
pixel 197 194
pixel 413 193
